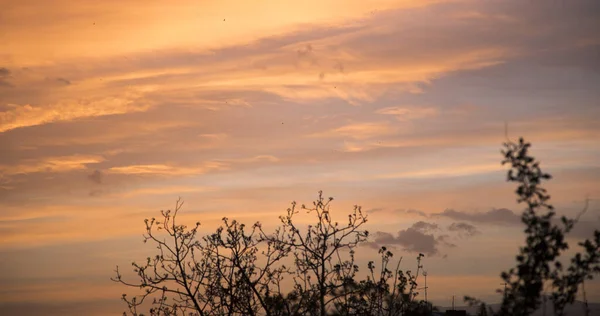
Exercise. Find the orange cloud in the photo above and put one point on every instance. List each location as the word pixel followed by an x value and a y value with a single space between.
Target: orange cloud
pixel 99 29
pixel 175 170
pixel 404 113
pixel 360 131
pixel 60 291
pixel 445 172
pixel 170 190
pixel 66 110
pixel 52 164
pixel 168 170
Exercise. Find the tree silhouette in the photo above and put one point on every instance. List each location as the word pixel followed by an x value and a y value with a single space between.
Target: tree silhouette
pixel 321 275
pixel 241 270
pixel 217 274
pixel 538 262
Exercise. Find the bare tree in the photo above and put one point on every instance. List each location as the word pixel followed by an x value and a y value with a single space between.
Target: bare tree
pixel 320 269
pixel 239 270
pixel 215 275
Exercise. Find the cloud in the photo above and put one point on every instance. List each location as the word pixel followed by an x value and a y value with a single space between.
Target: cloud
pixel 306 54
pixel 118 32
pixel 175 190
pixel 404 113
pixel 259 158
pixel 168 170
pixel 445 240
pixel 412 212
pixel 192 169
pixel 124 133
pixel 420 237
pixel 97 307
pixel 464 229
pixel 583 229
pixel 52 164
pixel 359 131
pixel 19 116
pixel 424 226
pixel 4 73
pixel 216 136
pixel 63 81
pixel 96 176
pixel 500 216
pixel 172 72
pixel 400 212
pixel 412 239
pixel 95 193
pixel 455 171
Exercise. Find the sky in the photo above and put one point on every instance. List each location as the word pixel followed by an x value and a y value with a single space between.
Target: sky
pixel 111 110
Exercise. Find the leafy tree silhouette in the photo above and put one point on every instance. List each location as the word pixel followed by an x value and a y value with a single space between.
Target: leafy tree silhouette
pixel 538 262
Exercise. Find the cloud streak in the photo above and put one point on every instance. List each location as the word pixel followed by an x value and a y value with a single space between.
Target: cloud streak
pixel 495 216
pixel 167 170
pixel 52 165
pixel 19 116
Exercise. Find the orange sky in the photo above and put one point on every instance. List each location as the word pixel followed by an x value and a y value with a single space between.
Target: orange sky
pixel 110 110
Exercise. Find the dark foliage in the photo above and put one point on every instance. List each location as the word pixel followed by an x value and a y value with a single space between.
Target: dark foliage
pixel 538 262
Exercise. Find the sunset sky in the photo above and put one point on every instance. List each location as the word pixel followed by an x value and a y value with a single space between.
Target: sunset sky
pixel 111 110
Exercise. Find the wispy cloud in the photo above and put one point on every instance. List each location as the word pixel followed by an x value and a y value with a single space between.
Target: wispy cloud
pixel 444 172
pixel 168 170
pixel 494 216
pixel 170 190
pixel 27 115
pixel 52 164
pixel 360 131
pixel 405 113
